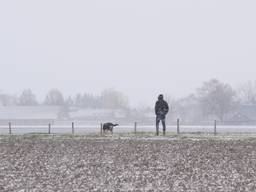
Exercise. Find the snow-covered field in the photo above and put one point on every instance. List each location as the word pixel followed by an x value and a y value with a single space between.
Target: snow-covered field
pixel 129 163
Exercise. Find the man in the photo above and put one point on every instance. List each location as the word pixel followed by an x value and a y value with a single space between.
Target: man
pixel 161 109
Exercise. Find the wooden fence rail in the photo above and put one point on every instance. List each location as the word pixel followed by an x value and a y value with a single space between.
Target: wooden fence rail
pixel 136 127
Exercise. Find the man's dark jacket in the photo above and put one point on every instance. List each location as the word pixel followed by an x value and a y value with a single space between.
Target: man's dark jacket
pixel 161 108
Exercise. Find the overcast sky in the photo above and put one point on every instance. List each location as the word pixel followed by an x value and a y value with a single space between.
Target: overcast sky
pixel 142 48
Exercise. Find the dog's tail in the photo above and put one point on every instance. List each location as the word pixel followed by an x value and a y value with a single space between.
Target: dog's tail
pixel 115 125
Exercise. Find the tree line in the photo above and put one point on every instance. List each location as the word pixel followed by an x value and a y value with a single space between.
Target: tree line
pixel 109 98
pixel 212 99
pixel 215 100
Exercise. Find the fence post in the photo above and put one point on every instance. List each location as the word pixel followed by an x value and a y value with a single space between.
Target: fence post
pixel 101 128
pixel 135 127
pixel 178 126
pixel 215 127
pixel 73 128
pixel 10 128
pixel 49 128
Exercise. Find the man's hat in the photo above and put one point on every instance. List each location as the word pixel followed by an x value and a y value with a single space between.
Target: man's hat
pixel 161 96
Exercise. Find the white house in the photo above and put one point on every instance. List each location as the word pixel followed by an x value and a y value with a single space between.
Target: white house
pixel 29 114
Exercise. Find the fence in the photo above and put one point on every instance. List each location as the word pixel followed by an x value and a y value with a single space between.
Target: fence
pixel 78 128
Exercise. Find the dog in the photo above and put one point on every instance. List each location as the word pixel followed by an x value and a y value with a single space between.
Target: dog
pixel 108 127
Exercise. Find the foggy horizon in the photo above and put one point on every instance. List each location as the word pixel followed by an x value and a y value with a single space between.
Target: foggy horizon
pixel 133 103
pixel 141 48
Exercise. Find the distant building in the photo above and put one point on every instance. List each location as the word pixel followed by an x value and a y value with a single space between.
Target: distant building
pixel 29 115
pixel 97 115
pixel 245 114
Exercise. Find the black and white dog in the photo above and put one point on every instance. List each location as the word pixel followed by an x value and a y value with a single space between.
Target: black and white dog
pixel 108 127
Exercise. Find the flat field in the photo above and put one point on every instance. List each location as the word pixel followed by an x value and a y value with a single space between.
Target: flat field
pixel 127 164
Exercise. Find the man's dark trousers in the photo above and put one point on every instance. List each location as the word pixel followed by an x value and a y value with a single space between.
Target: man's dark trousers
pixel 158 119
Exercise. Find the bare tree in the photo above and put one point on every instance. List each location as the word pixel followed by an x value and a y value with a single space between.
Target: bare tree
pixel 27 98
pixel 216 98
pixel 247 93
pixel 69 101
pixel 87 101
pixel 113 99
pixel 54 97
pixel 188 109
pixel 78 100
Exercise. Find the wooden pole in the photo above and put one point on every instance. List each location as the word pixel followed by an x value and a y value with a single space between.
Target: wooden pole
pixel 215 127
pixel 49 128
pixel 101 128
pixel 10 128
pixel 178 126
pixel 135 127
pixel 73 128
